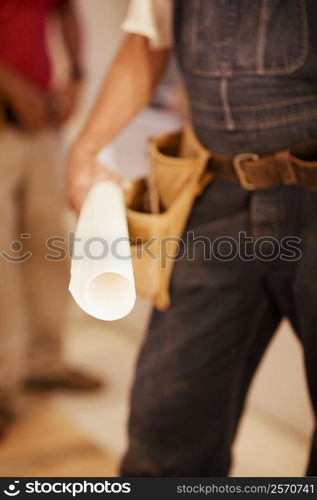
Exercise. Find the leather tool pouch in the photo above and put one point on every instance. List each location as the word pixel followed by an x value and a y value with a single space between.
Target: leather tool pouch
pixel 178 173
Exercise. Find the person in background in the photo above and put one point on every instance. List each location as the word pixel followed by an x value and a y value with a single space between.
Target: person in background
pixel 33 289
pixel 250 71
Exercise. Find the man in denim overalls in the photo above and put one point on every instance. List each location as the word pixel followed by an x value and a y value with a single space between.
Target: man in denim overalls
pixel 250 70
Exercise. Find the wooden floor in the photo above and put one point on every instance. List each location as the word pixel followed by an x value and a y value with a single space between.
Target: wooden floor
pixel 45 443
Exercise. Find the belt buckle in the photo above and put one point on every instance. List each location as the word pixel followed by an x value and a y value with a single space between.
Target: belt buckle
pixel 241 174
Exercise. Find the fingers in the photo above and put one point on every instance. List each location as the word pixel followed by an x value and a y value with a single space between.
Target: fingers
pixel 63 103
pixel 81 180
pixel 76 200
pixel 100 173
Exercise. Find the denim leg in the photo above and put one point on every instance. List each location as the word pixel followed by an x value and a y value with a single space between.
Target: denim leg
pixel 305 298
pixel 199 356
pixel 292 212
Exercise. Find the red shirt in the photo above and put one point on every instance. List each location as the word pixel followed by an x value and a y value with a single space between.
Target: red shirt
pixel 23 37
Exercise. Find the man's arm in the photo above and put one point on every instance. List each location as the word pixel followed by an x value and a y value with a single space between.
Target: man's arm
pixel 71 32
pixel 128 87
pixel 65 99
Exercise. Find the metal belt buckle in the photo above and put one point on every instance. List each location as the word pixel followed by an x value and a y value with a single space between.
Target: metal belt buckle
pixel 241 174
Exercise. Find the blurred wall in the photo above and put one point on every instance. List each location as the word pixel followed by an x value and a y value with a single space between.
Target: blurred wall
pixel 101 33
pixel 280 388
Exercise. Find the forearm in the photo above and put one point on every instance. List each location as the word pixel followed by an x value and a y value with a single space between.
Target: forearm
pixel 127 89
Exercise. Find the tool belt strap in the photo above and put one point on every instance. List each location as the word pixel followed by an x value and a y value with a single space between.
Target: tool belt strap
pixel 289 167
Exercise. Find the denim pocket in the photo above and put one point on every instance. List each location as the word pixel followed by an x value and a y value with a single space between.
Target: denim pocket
pixel 222 38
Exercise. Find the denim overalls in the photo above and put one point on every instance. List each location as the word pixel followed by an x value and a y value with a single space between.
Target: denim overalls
pixel 250 69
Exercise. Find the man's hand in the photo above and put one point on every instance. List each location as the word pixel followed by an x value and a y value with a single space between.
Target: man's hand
pixel 82 172
pixel 63 102
pixel 29 104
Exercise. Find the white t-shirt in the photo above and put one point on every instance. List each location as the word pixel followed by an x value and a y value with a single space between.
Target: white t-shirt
pixel 153 19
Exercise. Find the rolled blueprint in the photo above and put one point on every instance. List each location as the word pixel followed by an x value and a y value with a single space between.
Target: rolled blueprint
pixel 102 281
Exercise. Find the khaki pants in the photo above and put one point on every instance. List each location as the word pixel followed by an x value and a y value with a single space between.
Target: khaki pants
pixel 33 289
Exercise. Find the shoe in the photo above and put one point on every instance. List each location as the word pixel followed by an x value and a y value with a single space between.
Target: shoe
pixel 67 378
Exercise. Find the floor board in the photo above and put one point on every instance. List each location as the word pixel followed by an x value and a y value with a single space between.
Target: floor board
pixel 45 443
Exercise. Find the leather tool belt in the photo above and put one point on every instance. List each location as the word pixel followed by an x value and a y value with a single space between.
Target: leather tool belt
pixel 181 168
pixel 288 167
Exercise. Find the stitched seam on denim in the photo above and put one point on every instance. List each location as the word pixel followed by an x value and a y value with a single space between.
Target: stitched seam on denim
pixel 194 33
pixel 230 24
pixel 212 124
pixel 226 105
pixel 289 119
pixel 259 107
pixel 302 13
pixel 261 37
pixel 296 65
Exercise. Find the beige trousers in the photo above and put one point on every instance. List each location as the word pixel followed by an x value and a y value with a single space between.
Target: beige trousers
pixel 33 287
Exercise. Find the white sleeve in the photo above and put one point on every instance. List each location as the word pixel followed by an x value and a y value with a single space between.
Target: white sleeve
pixel 153 19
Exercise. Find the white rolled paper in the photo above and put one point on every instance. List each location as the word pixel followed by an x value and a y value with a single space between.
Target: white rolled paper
pixel 102 281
